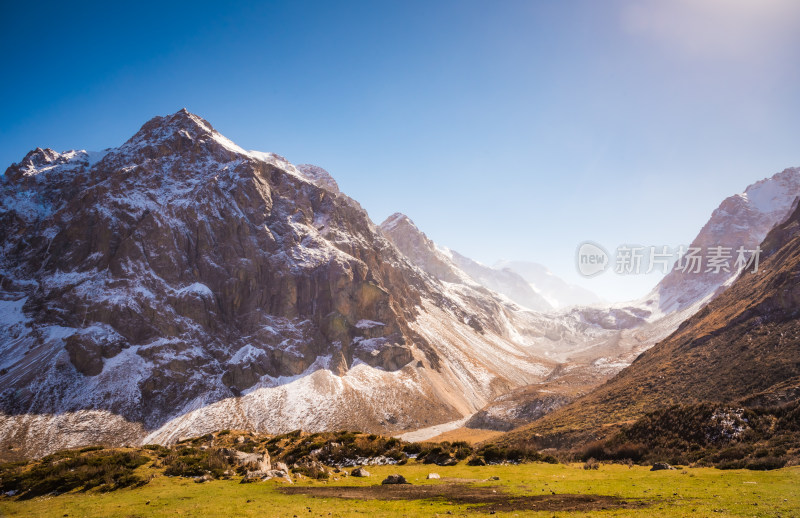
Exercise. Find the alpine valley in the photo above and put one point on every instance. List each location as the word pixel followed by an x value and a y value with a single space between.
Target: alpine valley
pixel 179 285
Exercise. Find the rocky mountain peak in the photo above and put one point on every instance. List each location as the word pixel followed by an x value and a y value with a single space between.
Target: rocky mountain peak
pixel 743 219
pixel 39 162
pixel 410 240
pixel 181 133
pixel 40 157
pixel 319 177
pixel 398 219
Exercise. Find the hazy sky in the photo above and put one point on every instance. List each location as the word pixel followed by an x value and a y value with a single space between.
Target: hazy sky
pixel 505 130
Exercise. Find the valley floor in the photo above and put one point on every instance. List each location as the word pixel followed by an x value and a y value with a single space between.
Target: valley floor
pixel 535 489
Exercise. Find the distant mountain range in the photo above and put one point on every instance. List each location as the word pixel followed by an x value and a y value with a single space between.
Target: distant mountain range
pixel 554 289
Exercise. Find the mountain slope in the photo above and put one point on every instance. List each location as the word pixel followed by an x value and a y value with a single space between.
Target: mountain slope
pixel 179 284
pixel 597 342
pixel 744 345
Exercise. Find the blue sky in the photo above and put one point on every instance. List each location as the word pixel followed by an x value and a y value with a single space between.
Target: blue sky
pixel 506 130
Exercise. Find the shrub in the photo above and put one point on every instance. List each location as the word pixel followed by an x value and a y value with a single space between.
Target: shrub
pixel 195 463
pixel 476 461
pixel 591 464
pixel 765 463
pixel 412 448
pixel 90 448
pixel 312 470
pixel 67 471
pixel 594 450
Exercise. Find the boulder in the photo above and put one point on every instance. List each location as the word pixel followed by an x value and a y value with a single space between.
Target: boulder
pixel 395 479
pixel 278 474
pixel 254 476
pixel 432 476
pixel 360 472
pixel 659 466
pixel 282 467
pixel 257 461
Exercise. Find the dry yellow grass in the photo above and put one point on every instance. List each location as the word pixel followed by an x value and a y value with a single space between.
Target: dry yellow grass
pixel 468 435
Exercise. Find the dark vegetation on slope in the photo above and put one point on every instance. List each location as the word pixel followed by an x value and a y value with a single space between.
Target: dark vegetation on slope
pixel 318 456
pixel 84 469
pixel 704 435
pixel 707 435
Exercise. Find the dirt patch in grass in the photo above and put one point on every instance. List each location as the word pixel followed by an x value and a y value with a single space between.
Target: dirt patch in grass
pixel 480 498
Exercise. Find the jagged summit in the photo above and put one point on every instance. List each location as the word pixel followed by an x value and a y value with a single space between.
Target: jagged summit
pixel 40 157
pixel 319 177
pixel 395 220
pixel 181 119
pixel 181 132
pixel 423 252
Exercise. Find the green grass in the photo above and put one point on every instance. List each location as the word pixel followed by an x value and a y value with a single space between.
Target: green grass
pixel 690 492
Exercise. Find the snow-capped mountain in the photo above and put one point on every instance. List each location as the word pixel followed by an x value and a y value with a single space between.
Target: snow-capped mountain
pixel 589 344
pixel 555 290
pixel 423 252
pixel 506 282
pixel 179 284
pixel 741 220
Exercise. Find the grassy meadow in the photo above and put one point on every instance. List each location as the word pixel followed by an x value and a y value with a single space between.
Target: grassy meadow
pixel 681 492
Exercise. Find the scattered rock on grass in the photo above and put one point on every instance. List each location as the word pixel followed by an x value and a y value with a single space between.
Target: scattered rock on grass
pixel 360 472
pixel 658 466
pixel 254 476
